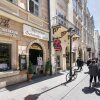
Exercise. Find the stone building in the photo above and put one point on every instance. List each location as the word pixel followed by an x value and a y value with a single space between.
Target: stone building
pixel 96 42
pixel 24 36
pixel 84 21
pixel 61 16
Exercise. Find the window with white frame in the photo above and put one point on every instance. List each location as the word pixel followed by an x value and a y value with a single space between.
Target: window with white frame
pixel 79 11
pixel 75 4
pixel 34 7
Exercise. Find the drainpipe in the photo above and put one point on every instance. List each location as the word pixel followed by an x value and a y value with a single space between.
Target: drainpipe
pixel 49 42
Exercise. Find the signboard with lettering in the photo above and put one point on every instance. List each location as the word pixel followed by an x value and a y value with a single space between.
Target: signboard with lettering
pixel 39 61
pixel 34 32
pixel 7 31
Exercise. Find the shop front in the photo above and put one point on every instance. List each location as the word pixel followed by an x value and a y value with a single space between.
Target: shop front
pixel 10 31
pixel 8 45
pixel 36 58
pixel 36 48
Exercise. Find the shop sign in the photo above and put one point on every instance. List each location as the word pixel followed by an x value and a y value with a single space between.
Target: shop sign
pixel 57 45
pixel 8 31
pixel 34 32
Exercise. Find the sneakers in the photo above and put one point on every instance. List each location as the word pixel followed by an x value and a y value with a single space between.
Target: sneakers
pixel 93 84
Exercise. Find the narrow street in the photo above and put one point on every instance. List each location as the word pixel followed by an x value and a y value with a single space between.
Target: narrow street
pixel 78 92
pixel 53 89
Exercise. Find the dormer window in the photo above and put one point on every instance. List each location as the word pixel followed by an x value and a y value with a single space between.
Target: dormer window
pixel 34 7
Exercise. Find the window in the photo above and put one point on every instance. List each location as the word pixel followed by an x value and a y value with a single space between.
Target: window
pixel 75 4
pixel 5 56
pixel 34 7
pixel 79 11
pixel 13 1
pixel 10 0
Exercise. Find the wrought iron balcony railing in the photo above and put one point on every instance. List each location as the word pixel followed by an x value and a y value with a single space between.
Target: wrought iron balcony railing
pixel 60 20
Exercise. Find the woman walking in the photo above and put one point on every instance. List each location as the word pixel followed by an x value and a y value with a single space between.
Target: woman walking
pixel 93 71
pixel 99 71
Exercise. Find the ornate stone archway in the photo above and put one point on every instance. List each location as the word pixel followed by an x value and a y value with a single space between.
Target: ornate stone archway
pixel 42 46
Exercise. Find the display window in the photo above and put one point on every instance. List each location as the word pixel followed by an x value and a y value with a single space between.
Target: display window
pixel 5 56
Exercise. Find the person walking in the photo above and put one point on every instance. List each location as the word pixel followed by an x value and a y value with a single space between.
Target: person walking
pixel 93 71
pixel 88 62
pixel 80 64
pixel 99 71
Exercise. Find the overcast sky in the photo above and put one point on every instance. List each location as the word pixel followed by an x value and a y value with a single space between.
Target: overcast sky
pixel 94 8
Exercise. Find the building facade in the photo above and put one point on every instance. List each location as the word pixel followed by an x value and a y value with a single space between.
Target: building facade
pixel 61 16
pixel 24 36
pixel 85 23
pixel 96 42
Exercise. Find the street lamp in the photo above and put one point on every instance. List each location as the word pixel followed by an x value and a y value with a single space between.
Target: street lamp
pixel 70 30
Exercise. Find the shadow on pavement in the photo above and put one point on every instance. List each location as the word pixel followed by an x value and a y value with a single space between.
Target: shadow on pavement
pixel 26 83
pixel 35 96
pixel 32 97
pixel 88 90
pixel 97 91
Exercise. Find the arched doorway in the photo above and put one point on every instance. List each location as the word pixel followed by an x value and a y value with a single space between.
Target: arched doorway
pixel 36 58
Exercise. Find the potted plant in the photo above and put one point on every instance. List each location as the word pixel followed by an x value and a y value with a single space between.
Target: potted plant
pixel 48 67
pixel 30 71
pixel 68 67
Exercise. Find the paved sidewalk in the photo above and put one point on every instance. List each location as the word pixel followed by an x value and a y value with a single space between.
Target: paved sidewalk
pixel 38 86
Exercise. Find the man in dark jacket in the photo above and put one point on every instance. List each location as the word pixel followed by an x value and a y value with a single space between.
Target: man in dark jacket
pixel 93 71
pixel 79 63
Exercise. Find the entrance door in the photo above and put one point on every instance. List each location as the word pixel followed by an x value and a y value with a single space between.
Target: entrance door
pixel 36 52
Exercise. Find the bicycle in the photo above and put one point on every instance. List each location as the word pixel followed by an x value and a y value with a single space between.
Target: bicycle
pixel 72 77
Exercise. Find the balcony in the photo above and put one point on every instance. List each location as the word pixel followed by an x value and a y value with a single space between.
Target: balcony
pixel 64 24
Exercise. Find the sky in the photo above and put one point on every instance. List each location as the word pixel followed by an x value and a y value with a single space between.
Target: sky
pixel 94 8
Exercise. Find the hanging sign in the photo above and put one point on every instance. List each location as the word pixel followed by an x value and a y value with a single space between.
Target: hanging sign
pixel 57 45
